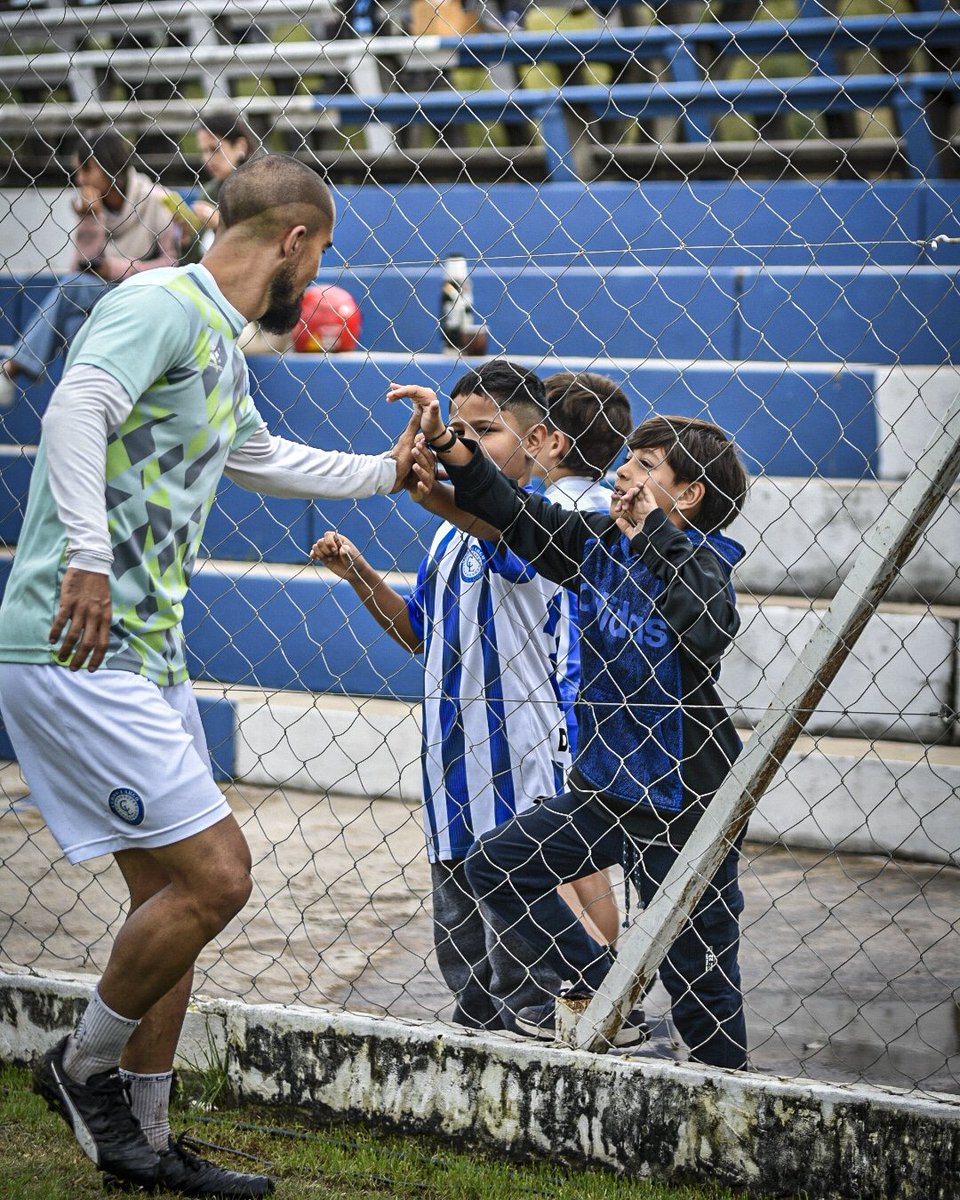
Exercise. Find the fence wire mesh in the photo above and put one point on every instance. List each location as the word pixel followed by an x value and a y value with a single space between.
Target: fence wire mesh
pixel 736 212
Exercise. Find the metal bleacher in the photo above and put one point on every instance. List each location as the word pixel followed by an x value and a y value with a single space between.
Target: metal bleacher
pixel 58 68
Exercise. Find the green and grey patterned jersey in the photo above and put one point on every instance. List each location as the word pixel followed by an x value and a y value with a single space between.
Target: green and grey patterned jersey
pixel 169 338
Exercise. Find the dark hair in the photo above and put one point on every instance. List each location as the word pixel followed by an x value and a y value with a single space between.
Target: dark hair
pixel 109 149
pixel 227 125
pixel 594 414
pixel 255 191
pixel 509 386
pixel 699 450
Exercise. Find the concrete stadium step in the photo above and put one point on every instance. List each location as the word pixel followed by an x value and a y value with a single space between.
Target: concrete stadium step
pixel 854 795
pixel 800 531
pixel 789 419
pixel 866 314
pixel 894 315
pixel 697 223
pixel 282 627
pixel 802 535
pixel 274 626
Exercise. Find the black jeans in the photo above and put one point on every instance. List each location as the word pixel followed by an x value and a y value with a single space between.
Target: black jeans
pixel 517 867
pixel 487 970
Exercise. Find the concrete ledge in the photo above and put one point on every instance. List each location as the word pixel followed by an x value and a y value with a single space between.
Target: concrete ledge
pixel 644 1117
pixel 897 682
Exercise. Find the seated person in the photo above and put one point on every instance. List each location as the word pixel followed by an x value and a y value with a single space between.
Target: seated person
pixel 126 223
pixel 225 141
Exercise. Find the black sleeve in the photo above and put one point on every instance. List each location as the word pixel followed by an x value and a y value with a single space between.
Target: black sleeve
pixel 698 603
pixel 551 538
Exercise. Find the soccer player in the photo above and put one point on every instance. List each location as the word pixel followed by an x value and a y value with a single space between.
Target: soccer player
pixel 657 612
pixel 493 735
pixel 153 407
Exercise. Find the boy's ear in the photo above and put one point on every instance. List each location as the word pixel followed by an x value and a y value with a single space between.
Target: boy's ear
pixel 691 497
pixel 536 438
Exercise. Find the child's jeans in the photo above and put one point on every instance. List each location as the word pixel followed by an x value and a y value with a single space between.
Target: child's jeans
pixel 487 970
pixel 517 867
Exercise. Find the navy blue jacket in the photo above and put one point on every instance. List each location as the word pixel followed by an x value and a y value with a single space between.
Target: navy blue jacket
pixel 656 614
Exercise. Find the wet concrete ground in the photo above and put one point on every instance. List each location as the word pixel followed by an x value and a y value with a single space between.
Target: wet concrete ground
pixel 851 964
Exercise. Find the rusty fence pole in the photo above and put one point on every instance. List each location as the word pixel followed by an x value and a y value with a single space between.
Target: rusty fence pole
pixel 885 549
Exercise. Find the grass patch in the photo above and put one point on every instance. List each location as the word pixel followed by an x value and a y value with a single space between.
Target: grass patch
pixel 40 1161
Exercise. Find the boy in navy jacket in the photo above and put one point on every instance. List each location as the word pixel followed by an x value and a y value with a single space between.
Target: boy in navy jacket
pixel 657 612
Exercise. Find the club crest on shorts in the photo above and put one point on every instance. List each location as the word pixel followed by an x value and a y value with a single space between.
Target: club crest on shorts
pixel 126 804
pixel 472 566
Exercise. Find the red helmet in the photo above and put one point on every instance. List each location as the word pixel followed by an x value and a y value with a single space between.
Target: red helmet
pixel 329 321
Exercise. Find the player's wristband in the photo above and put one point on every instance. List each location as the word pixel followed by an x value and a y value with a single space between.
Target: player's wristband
pixel 447 445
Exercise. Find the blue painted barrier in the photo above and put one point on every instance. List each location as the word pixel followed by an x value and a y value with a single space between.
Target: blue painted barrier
pixel 798 421
pixel 248 628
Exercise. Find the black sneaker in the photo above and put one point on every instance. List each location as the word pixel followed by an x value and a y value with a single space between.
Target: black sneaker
pixel 186 1173
pixel 539 1021
pixel 99 1114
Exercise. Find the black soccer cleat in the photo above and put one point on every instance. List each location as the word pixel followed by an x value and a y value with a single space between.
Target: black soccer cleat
pixel 186 1173
pixel 99 1114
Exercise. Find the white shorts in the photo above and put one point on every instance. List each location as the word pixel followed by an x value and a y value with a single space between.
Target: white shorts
pixel 113 761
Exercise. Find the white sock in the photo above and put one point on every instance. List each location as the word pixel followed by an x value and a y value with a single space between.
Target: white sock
pixel 97 1042
pixel 150 1101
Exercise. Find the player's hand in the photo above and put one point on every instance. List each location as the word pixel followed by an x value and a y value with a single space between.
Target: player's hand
pixel 85 613
pixel 423 471
pixel 337 553
pixel 426 407
pixel 403 452
pixel 631 508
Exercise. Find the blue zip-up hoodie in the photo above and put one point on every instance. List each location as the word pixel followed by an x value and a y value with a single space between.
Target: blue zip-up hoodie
pixel 657 612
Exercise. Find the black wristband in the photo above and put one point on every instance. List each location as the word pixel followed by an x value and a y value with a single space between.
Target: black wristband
pixel 447 445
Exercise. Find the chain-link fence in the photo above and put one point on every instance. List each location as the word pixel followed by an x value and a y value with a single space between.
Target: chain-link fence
pixel 741 213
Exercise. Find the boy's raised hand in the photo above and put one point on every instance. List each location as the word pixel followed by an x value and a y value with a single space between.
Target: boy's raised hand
pixel 337 553
pixel 423 471
pixel 425 405
pixel 403 451
pixel 631 509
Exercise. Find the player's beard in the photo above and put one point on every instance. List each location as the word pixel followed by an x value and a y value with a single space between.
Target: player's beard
pixel 283 303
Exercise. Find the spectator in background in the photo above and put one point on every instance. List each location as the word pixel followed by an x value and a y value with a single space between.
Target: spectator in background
pixel 225 141
pixel 126 223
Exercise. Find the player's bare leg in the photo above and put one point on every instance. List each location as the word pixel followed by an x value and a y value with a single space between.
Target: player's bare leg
pixel 182 895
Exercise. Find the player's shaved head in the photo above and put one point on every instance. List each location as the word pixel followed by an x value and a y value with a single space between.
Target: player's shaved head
pixel 273 192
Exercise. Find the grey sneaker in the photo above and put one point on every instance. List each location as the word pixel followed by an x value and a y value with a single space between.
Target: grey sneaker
pixel 539 1021
pixel 99 1114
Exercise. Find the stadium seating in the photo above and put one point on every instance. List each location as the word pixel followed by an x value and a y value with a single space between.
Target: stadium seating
pixel 40 53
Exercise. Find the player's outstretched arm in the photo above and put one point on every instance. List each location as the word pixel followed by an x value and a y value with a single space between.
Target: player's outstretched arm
pixel 387 607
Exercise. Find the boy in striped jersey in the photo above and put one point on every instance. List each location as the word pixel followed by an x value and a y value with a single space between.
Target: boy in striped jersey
pixel 494 741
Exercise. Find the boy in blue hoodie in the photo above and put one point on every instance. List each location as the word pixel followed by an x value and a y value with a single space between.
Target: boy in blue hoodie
pixel 657 612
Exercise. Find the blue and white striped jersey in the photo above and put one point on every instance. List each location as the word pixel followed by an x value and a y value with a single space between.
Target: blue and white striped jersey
pixel 584 495
pixel 493 734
